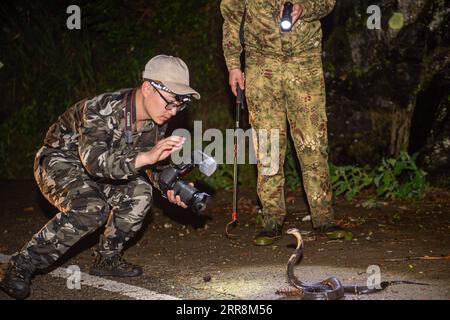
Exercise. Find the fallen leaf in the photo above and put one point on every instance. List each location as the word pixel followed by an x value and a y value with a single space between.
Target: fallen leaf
pixel 348 236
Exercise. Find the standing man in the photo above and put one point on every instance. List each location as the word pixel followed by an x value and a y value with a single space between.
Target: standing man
pixel 90 168
pixel 283 80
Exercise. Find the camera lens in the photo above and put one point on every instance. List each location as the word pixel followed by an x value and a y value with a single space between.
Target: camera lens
pixel 199 202
pixel 199 206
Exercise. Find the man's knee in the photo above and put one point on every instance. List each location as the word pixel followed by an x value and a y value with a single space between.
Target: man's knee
pixel 141 197
pixel 89 213
pixel 133 202
pixel 67 228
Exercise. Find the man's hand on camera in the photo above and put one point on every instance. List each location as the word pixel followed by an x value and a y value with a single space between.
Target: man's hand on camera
pixel 160 151
pixel 176 199
pixel 236 77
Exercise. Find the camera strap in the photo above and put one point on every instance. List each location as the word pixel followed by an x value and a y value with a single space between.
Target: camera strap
pixel 130 116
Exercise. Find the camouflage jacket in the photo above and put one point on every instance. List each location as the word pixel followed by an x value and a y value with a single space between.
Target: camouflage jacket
pixel 93 131
pixel 262 33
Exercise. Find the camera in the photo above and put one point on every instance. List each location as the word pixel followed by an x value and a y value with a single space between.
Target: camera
pixel 170 178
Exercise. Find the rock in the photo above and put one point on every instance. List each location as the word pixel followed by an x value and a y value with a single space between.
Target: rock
pixel 167 225
pixel 207 278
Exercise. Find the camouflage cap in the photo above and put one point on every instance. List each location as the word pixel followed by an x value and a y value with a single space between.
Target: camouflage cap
pixel 172 72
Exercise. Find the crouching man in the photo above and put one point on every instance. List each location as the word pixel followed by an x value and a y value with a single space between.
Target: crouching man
pixel 91 168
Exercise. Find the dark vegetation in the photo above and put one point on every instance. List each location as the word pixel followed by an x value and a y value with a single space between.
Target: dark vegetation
pixel 388 89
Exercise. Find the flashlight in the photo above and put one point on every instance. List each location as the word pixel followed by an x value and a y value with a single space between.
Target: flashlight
pixel 286 18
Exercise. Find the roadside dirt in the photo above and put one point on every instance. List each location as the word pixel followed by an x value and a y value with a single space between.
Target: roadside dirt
pixel 189 256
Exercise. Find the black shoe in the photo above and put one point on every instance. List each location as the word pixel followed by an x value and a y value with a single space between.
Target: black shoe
pixel 332 231
pixel 268 235
pixel 115 266
pixel 17 280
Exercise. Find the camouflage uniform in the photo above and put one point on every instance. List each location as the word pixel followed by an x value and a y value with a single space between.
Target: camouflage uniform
pixel 87 170
pixel 284 79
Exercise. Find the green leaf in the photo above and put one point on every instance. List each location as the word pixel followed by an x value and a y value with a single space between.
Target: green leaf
pixel 377 179
pixel 391 162
pixel 341 189
pixel 397 21
pixel 399 167
pixel 348 236
pixel 370 203
pixel 387 179
pixel 381 190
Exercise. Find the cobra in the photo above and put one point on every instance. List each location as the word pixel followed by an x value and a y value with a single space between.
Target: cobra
pixel 330 288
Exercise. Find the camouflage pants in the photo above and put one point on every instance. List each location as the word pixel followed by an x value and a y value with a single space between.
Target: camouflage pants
pixel 278 89
pixel 85 205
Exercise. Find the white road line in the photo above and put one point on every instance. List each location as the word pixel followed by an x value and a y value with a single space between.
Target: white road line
pixel 124 289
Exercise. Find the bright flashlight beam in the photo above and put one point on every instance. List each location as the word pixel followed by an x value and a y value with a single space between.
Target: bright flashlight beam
pixel 286 25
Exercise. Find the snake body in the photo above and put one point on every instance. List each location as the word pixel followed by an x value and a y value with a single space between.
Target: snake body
pixel 330 288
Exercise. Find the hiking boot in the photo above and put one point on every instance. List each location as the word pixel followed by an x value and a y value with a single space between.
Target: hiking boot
pixel 332 231
pixel 17 280
pixel 268 235
pixel 115 266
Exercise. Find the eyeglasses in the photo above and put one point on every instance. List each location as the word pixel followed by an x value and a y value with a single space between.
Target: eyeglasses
pixel 180 102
